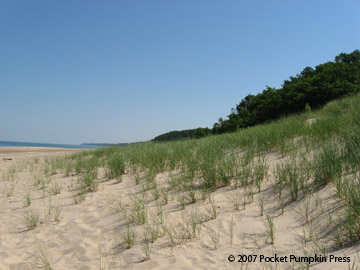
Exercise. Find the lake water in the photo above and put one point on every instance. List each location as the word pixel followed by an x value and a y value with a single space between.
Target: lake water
pixel 21 144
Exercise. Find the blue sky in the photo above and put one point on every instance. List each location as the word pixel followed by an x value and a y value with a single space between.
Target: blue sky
pixel 76 71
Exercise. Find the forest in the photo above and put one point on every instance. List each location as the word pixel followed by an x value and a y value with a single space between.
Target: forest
pixel 310 89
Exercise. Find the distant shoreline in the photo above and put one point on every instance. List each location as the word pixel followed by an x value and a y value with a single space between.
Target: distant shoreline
pixel 49 145
pixel 20 151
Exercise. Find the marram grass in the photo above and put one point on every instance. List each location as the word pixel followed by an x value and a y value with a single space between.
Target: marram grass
pixel 319 148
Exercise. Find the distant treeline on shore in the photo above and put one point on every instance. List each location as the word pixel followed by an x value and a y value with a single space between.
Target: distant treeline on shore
pixel 312 88
pixel 106 144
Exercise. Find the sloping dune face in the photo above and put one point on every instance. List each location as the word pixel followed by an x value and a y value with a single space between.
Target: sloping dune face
pixel 280 196
pixel 47 222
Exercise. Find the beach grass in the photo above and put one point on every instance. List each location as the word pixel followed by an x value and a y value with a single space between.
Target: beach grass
pixel 288 159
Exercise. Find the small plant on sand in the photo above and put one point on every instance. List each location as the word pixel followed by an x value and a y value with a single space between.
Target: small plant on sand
pixel 10 174
pixel 190 192
pixel 36 160
pixel 31 219
pixel 208 173
pixel 107 262
pixel 261 205
pixel 41 260
pixel 146 186
pixel 185 232
pixel 282 203
pixel 46 170
pixel 27 198
pixel 164 197
pixel 205 194
pixel 260 172
pixel 146 248
pixel 289 174
pixel 40 182
pixel 170 233
pixel 270 227
pixel 279 184
pixel 249 193
pixel 150 176
pixel 54 188
pixel 159 215
pixel 352 213
pixel 89 182
pixel 68 168
pixel 190 228
pixel 137 178
pixel 10 191
pixel 211 209
pixel 243 174
pixel 338 238
pixel 226 170
pixel 321 247
pixel 138 211
pixel 54 211
pixel 244 202
pixel 155 192
pixel 79 195
pixel 236 198
pixel 175 181
pixel 214 235
pixel 309 230
pixel 153 232
pixel 115 202
pixel 194 226
pixel 128 236
pixel 305 212
pixel 320 205
pixel 231 230
pixel 181 200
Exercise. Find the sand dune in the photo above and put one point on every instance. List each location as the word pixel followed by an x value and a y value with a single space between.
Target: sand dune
pixel 87 235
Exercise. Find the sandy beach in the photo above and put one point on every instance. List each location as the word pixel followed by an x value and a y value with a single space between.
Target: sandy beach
pixel 89 234
pixel 179 135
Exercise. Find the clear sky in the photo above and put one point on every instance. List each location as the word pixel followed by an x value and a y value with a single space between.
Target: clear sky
pixel 75 71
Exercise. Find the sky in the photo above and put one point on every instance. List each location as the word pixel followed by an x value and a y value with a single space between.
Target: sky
pixel 76 71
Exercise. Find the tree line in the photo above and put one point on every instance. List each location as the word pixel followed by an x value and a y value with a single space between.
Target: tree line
pixel 312 88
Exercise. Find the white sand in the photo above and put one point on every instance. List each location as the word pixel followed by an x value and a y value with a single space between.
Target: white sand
pixel 88 233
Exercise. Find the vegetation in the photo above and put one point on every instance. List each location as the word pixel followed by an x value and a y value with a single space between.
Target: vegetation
pixel 31 219
pixel 308 90
pixel 310 156
pixel 270 227
pixel 237 159
pixel 183 134
pixel 115 166
pixel 129 237
pixel 41 260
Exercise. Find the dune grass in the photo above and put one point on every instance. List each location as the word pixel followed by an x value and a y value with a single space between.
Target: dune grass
pixel 270 227
pixel 41 260
pixel 31 218
pixel 313 154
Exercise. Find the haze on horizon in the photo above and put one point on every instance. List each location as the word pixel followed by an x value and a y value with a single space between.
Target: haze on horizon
pixel 125 71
